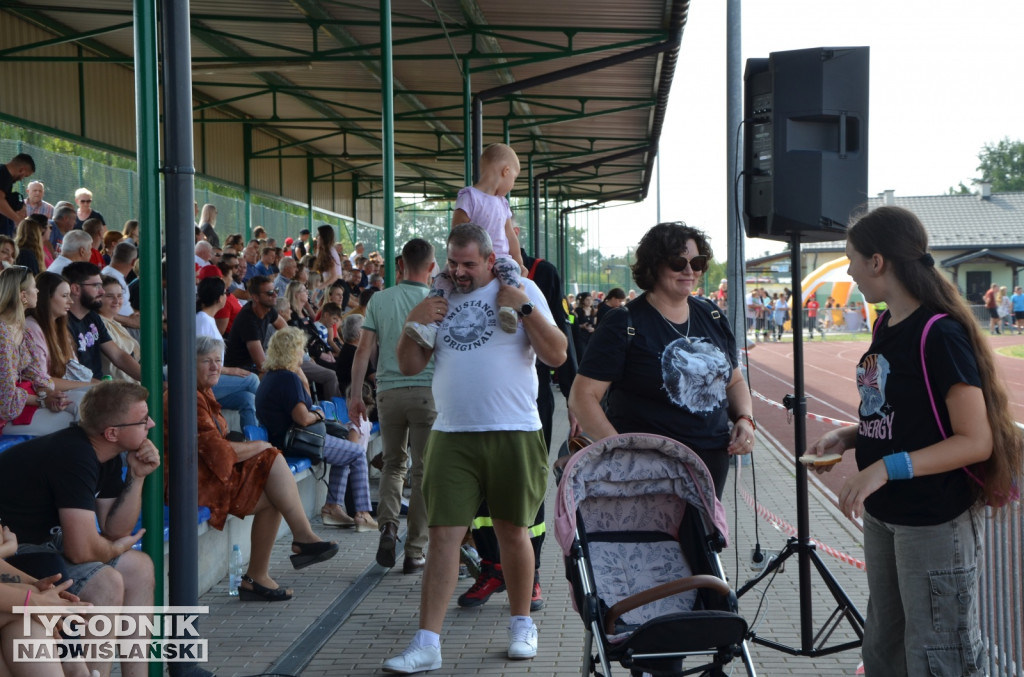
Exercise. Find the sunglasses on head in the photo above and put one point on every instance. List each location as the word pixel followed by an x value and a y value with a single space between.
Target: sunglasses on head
pixel 698 264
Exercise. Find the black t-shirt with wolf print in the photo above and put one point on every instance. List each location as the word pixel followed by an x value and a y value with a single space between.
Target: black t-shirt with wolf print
pixel 661 382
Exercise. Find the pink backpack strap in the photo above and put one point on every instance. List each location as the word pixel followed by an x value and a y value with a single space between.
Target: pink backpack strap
pixel 878 321
pixel 924 368
pixel 931 396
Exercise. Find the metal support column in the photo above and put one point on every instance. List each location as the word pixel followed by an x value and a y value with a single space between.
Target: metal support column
pixel 388 136
pixel 147 125
pixel 467 120
pixel 478 136
pixel 355 207
pixel 247 177
pixel 181 313
pixel 733 118
pixel 547 254
pixel 309 193
pixel 534 205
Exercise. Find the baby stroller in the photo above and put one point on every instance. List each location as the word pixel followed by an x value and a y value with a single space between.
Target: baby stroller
pixel 641 530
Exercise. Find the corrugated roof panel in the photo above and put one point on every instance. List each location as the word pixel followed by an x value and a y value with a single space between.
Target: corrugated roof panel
pixel 268 44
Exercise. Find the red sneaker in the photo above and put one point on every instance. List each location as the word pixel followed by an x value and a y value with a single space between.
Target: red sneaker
pixel 490 581
pixel 537 601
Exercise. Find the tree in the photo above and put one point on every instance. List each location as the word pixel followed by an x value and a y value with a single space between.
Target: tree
pixel 1002 165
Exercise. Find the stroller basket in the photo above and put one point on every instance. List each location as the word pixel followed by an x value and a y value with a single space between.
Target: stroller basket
pixel 641 528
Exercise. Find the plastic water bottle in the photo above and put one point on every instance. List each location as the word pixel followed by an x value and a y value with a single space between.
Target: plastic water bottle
pixel 235 571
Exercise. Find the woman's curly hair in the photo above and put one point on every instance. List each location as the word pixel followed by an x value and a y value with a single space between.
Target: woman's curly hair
pixel 659 244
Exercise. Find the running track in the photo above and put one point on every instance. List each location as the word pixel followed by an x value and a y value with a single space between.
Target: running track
pixel 832 392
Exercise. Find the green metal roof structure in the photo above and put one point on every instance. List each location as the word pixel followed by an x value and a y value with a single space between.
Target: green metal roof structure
pixel 578 89
pixel 332 103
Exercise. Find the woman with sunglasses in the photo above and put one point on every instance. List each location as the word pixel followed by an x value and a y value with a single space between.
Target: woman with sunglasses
pixel 667 360
pixel 29 402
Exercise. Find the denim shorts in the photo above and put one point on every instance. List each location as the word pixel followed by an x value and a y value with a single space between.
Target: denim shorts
pixel 80 573
pixel 923 616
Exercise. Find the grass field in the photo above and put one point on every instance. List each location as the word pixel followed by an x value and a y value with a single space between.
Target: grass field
pixel 1012 351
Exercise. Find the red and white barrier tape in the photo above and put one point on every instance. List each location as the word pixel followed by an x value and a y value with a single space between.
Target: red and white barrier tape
pixel 814 417
pixel 789 529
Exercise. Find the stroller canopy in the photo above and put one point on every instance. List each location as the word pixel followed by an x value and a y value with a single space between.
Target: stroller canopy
pixel 635 465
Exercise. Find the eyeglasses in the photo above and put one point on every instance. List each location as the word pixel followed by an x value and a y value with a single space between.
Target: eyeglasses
pixel 698 264
pixel 129 425
pixel 90 284
pixel 85 202
pixel 270 292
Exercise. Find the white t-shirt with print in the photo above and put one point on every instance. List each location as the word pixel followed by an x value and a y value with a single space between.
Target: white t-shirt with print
pixel 484 378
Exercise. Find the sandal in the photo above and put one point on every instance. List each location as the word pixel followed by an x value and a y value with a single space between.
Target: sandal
pixel 312 553
pixel 261 593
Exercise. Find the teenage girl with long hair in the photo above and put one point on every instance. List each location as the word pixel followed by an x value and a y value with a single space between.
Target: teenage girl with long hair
pixel 328 263
pixel 935 443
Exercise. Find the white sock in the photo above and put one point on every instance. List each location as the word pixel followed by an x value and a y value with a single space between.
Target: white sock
pixel 426 638
pixel 525 621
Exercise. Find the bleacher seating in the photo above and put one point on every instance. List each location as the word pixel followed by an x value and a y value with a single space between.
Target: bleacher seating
pixel 215 546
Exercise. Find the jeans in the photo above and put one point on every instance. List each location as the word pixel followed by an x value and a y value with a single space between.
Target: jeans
pixel 405 414
pixel 922 614
pixel 239 392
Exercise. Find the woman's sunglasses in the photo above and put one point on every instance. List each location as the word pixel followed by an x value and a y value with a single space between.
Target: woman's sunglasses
pixel 698 264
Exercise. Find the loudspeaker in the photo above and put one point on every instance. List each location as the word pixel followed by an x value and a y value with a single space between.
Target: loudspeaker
pixel 805 146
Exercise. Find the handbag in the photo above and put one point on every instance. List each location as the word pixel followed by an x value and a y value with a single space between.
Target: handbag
pixel 306 441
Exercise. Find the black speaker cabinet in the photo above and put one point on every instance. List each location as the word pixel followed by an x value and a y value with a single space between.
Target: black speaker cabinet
pixel 805 146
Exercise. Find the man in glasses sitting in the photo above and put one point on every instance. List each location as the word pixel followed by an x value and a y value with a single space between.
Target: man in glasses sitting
pixel 247 340
pixel 56 489
pixel 88 333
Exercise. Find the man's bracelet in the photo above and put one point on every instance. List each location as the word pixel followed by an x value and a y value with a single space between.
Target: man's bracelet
pixel 898 466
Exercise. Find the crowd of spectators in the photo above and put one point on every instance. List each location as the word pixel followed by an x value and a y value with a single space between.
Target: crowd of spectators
pixel 69 322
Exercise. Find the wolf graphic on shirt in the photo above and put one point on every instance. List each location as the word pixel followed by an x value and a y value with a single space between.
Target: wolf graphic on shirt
pixel 695 373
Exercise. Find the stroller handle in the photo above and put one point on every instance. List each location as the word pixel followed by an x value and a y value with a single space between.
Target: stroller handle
pixel 664 590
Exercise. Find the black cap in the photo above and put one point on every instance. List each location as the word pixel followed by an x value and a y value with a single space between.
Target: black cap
pixel 304 231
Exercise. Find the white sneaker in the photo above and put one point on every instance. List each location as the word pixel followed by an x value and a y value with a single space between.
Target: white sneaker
pixel 508 318
pixel 522 641
pixel 423 334
pixel 418 659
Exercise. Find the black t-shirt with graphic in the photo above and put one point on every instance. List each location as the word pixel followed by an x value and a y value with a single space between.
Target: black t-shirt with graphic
pixel 41 476
pixel 88 334
pixel 896 414
pixel 663 383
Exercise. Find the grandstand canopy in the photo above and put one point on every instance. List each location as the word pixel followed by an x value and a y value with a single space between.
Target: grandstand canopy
pixel 301 78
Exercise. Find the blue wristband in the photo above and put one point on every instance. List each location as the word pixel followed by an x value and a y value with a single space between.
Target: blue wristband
pixel 898 466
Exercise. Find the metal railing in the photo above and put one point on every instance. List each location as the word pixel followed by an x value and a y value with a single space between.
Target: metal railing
pixel 116 196
pixel 1002 588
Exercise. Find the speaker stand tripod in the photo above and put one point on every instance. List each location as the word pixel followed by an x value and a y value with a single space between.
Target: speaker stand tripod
pixel 811 643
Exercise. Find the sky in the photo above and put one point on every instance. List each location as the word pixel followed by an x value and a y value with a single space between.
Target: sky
pixel 945 80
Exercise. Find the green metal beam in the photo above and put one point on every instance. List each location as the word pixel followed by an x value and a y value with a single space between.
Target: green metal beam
pixel 65 39
pixel 387 94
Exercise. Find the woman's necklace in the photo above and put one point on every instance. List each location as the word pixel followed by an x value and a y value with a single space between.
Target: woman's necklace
pixel 673 327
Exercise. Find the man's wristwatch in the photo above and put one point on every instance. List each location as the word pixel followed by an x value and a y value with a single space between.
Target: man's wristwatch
pixel 526 309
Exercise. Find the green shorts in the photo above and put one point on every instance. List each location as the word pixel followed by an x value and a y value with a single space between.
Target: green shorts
pixel 507 468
